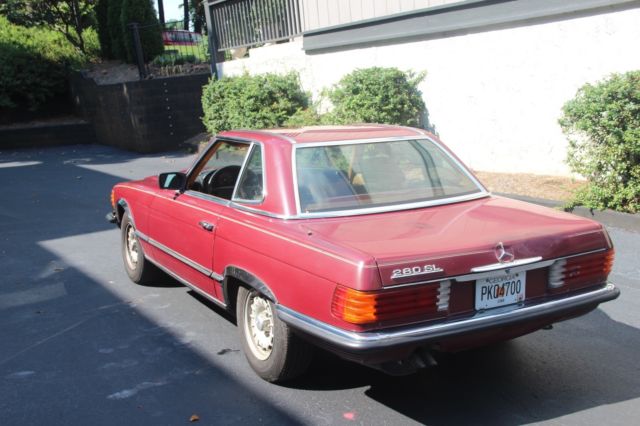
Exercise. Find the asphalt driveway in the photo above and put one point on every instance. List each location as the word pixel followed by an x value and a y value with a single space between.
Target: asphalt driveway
pixel 81 344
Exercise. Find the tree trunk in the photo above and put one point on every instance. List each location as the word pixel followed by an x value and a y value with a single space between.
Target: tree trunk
pixel 185 6
pixel 161 12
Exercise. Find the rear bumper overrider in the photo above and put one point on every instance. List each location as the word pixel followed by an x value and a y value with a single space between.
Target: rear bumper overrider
pixel 351 341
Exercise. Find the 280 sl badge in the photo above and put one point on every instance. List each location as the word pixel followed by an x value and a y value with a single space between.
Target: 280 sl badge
pixel 415 270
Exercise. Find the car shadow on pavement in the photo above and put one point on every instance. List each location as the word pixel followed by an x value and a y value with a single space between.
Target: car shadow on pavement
pixel 581 364
pixel 81 344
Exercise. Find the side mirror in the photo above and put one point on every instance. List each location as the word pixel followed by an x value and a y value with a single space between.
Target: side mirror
pixel 175 180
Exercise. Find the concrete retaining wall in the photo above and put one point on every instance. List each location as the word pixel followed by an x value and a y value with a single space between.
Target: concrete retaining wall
pixel 144 116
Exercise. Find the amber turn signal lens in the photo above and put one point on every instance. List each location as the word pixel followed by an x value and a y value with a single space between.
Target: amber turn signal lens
pixel 356 307
pixel 365 307
pixel 608 261
pixel 113 200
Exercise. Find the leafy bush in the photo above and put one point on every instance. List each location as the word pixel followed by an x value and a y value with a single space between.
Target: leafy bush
pixel 256 102
pixel 143 13
pixel 34 64
pixel 305 117
pixel 378 95
pixel 602 124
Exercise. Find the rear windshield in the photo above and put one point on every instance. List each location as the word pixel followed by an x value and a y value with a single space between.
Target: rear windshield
pixel 364 175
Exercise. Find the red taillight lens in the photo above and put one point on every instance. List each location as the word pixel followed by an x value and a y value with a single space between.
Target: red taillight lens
pixel 579 270
pixel 365 307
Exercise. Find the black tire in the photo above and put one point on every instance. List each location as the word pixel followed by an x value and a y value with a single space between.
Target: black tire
pixel 289 355
pixel 140 270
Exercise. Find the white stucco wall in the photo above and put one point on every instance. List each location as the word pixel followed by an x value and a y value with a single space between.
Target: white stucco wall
pixel 495 97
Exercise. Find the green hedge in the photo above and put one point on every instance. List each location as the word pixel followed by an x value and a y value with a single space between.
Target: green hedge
pixel 370 95
pixel 602 124
pixel 34 65
pixel 253 102
pixel 379 95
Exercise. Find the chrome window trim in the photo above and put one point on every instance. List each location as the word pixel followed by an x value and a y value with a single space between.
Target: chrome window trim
pixel 492 273
pixel 244 169
pixel 234 202
pixel 250 209
pixel 213 141
pixel 390 208
pixel 207 197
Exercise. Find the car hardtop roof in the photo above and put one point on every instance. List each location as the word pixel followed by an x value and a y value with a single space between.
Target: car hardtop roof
pixel 321 134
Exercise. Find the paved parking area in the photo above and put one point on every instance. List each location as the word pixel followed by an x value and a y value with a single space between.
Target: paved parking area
pixel 81 344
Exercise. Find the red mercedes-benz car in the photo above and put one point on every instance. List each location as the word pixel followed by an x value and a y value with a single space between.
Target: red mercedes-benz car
pixel 374 242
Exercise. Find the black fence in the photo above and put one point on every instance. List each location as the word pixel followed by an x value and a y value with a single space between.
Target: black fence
pixel 243 23
pixel 161 51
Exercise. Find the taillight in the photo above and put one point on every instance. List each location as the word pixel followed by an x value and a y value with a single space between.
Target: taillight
pixel 577 270
pixel 365 307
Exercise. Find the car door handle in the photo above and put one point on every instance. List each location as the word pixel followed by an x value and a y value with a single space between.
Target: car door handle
pixel 206 225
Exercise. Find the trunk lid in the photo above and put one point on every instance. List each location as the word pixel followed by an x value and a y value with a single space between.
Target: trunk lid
pixel 430 243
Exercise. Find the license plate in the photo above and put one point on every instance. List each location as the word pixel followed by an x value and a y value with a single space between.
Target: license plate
pixel 500 291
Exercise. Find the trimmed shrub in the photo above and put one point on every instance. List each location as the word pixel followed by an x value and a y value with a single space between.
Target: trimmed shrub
pixel 34 64
pixel 602 124
pixel 378 95
pixel 143 13
pixel 305 117
pixel 254 102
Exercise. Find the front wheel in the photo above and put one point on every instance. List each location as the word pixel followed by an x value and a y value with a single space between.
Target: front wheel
pixel 274 352
pixel 139 269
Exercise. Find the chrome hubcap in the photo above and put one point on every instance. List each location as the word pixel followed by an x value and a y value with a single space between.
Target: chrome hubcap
pixel 259 326
pixel 132 247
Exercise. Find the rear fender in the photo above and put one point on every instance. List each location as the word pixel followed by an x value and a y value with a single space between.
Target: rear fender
pixel 232 273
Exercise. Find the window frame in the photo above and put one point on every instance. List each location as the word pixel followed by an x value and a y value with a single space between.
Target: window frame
pixel 482 191
pixel 244 169
pixel 203 159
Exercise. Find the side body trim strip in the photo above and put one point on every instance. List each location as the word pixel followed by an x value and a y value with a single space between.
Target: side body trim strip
pixel 195 265
pixel 188 284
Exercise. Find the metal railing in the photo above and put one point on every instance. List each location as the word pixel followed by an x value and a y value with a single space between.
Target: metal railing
pixel 182 52
pixel 243 23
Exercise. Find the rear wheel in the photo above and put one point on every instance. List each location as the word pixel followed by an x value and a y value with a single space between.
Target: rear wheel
pixel 274 352
pixel 139 269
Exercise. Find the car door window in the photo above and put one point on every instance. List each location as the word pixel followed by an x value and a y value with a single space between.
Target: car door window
pixel 250 185
pixel 218 171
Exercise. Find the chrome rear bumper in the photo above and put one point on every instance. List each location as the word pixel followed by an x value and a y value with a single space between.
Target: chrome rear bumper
pixel 425 333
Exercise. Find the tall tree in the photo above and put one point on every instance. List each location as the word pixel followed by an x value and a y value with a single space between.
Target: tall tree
pixel 142 13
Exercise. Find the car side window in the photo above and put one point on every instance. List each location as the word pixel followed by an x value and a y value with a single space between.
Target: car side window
pixel 218 172
pixel 250 185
